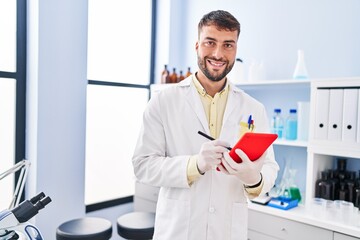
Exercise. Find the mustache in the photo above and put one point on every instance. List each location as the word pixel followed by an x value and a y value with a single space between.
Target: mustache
pixel 216 59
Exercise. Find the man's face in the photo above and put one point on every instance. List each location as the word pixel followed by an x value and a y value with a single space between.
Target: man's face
pixel 216 51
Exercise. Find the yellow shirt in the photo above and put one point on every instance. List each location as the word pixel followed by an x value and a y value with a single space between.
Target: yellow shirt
pixel 214 110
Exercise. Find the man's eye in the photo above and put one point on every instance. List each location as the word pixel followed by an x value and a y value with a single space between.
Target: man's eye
pixel 228 45
pixel 209 43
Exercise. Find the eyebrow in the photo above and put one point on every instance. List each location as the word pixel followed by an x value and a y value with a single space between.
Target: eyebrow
pixel 214 39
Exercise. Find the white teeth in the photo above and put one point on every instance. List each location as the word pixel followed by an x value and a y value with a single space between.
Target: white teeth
pixel 216 64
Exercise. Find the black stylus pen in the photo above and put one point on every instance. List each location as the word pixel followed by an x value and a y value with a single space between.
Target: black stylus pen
pixel 209 137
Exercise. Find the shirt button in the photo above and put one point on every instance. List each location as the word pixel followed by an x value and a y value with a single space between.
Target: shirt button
pixel 211 209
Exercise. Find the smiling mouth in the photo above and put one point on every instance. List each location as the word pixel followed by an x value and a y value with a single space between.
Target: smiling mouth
pixel 216 64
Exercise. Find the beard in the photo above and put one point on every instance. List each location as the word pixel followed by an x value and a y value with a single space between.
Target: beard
pixel 214 76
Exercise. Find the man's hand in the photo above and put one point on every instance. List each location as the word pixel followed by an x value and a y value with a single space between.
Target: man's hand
pixel 247 171
pixel 211 154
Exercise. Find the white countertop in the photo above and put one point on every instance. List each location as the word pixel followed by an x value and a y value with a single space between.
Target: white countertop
pixel 308 216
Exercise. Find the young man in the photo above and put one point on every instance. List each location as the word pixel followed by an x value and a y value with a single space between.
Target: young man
pixel 197 201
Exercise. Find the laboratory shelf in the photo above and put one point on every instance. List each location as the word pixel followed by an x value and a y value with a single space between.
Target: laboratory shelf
pixel 296 143
pixel 276 84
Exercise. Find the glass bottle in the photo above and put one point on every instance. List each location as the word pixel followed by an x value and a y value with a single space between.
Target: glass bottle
pixel 165 75
pixel 291 125
pixel 181 76
pixel 300 69
pixel 341 169
pixel 173 76
pixel 188 73
pixel 343 192
pixel 323 187
pixel 277 123
pixel 357 197
pixel 350 183
pixel 335 185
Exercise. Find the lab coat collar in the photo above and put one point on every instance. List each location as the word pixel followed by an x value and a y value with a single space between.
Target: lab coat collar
pixel 194 101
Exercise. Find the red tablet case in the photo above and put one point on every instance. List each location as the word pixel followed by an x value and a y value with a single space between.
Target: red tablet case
pixel 253 144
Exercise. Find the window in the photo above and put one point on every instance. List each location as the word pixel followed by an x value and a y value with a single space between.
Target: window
pixel 120 60
pixel 12 92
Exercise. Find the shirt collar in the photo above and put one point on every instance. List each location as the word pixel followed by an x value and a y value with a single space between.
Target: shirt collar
pixel 201 90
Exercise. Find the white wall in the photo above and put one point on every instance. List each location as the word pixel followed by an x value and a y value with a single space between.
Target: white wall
pixel 56 112
pixel 56 100
pixel 272 31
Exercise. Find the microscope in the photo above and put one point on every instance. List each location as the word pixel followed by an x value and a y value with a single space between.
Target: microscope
pixel 14 223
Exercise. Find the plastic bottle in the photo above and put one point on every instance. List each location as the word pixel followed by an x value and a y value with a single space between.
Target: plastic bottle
pixel 277 123
pixel 300 69
pixel 291 125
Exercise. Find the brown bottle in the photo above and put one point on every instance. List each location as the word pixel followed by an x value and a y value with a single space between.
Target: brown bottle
pixel 188 72
pixel 181 76
pixel 173 76
pixel 165 75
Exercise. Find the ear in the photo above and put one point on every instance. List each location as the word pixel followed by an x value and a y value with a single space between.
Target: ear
pixel 196 45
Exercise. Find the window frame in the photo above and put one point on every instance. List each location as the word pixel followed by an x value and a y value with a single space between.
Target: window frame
pixel 128 199
pixel 20 77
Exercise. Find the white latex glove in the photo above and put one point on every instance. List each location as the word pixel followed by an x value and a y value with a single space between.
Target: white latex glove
pixel 247 171
pixel 210 155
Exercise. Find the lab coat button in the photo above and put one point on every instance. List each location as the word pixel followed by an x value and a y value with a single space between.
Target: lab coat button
pixel 211 209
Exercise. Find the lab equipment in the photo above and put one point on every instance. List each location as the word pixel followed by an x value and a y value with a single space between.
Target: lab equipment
pixel 14 223
pixel 291 125
pixel 300 68
pixel 277 123
pixel 22 167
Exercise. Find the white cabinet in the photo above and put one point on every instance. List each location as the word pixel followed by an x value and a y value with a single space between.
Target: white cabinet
pixel 320 153
pixel 324 149
pixel 339 236
pixel 281 228
pixel 254 235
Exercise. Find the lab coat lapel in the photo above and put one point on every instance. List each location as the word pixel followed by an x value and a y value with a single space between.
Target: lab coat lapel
pixel 232 102
pixel 192 96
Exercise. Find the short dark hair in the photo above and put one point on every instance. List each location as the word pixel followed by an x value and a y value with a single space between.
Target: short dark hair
pixel 223 20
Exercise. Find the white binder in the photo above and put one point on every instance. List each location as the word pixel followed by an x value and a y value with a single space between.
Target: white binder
pixel 350 115
pixel 321 113
pixel 335 114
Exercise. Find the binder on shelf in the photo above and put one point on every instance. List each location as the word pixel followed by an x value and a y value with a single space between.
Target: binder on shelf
pixel 335 114
pixel 350 115
pixel 321 114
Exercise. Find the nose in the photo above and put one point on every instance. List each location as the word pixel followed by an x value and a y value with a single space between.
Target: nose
pixel 217 52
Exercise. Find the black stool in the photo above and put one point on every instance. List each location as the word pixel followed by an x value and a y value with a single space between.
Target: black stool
pixel 136 225
pixel 89 228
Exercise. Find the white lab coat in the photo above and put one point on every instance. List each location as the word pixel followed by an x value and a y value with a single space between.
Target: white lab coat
pixel 215 205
